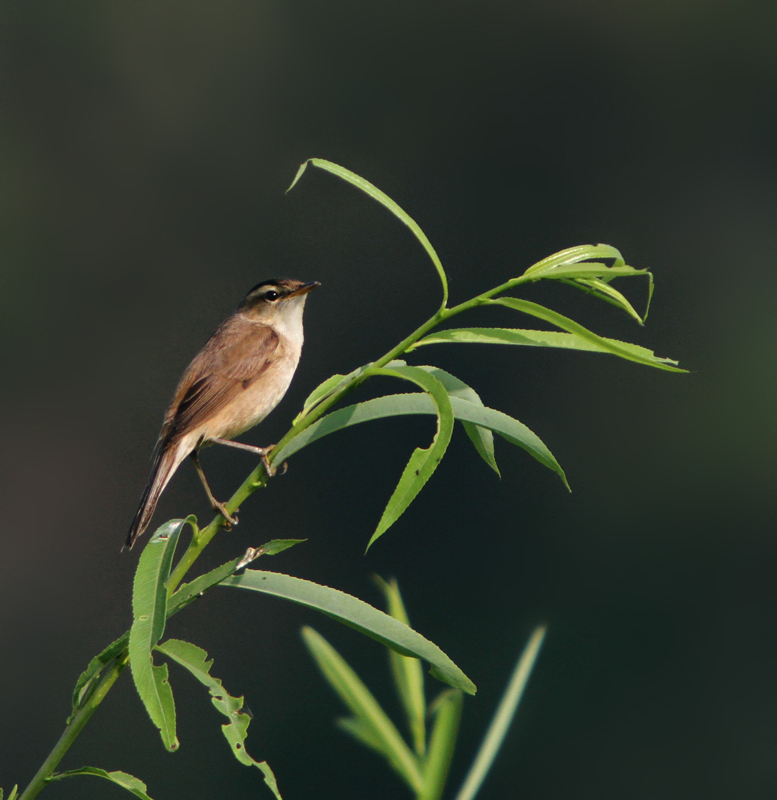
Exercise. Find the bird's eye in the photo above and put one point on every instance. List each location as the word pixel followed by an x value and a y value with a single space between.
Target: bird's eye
pixel 271 295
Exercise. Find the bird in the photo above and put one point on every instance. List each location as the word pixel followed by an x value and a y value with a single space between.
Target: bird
pixel 232 384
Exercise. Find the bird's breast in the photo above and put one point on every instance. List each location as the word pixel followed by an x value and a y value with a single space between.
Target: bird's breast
pixel 256 401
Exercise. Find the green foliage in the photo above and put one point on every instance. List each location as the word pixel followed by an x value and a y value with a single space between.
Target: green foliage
pixel 195 659
pixel 424 767
pixel 129 782
pixel 358 615
pixel 160 591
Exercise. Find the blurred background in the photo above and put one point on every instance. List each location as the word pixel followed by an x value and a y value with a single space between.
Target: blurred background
pixel 145 149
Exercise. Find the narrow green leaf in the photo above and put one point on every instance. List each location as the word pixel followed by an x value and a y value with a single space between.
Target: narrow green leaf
pixel 13 795
pixel 326 389
pixel 482 438
pixel 132 784
pixel 503 717
pixel 603 291
pixel 149 607
pixel 373 726
pixel 417 403
pixel 447 715
pixel 528 338
pixel 407 672
pixel 566 324
pixel 423 462
pixel 385 200
pixel 358 615
pixel 195 659
pixel 360 731
pixel 272 548
pixel 188 592
pixel 573 255
pixel 89 678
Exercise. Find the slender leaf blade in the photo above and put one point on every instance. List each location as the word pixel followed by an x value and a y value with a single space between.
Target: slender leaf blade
pixel 387 202
pixel 149 607
pixel 196 661
pixel 424 460
pixel 358 615
pixel 481 438
pixel 531 338
pixel 373 725
pixel 126 781
pixel 395 405
pixel 503 717
pixel 569 325
pixel 407 672
pixel 447 716
pixel 572 255
pixel 88 679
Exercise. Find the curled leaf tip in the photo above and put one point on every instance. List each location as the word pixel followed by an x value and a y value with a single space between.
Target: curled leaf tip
pixel 302 167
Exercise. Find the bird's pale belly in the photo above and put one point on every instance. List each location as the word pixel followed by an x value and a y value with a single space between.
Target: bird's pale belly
pixel 252 405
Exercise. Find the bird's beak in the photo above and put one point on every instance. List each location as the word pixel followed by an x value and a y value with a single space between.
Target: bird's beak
pixel 304 289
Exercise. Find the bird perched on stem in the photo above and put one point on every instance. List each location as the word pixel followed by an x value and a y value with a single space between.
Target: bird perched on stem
pixel 232 384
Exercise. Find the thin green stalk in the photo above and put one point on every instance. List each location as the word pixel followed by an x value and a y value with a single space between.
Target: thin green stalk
pixel 39 782
pixel 254 481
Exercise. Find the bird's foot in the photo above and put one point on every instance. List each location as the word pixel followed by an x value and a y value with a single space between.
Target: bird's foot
pixel 229 519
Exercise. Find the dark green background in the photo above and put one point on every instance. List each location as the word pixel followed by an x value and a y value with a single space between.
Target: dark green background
pixel 145 149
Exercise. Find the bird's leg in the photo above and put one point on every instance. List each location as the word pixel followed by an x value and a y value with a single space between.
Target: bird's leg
pixel 220 507
pixel 262 452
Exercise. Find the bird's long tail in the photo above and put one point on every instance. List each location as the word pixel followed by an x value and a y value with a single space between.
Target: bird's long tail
pixel 167 459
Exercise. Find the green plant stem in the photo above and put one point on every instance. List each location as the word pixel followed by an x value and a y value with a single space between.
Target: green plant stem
pixel 42 777
pixel 257 479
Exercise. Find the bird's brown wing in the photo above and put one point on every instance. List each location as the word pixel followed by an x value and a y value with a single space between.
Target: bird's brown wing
pixel 236 356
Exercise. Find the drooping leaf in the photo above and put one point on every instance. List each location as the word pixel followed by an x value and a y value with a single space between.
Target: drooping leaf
pixel 407 672
pixel 569 325
pixel 603 290
pixel 394 405
pixel 149 608
pixel 358 615
pixel 385 200
pixel 447 715
pixel 482 438
pixel 132 784
pixel 503 717
pixel 529 338
pixel 424 460
pixel 195 659
pixel 370 723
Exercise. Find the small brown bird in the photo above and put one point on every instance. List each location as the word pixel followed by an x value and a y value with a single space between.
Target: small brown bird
pixel 232 384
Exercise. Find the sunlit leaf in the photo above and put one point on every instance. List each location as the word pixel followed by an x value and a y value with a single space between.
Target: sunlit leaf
pixel 573 255
pixel 132 784
pixel 482 438
pixel 358 615
pixel 569 325
pixel 385 200
pixel 195 659
pixel 407 672
pixel 423 462
pixel 149 608
pixel 530 338
pixel 370 723
pixel 394 405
